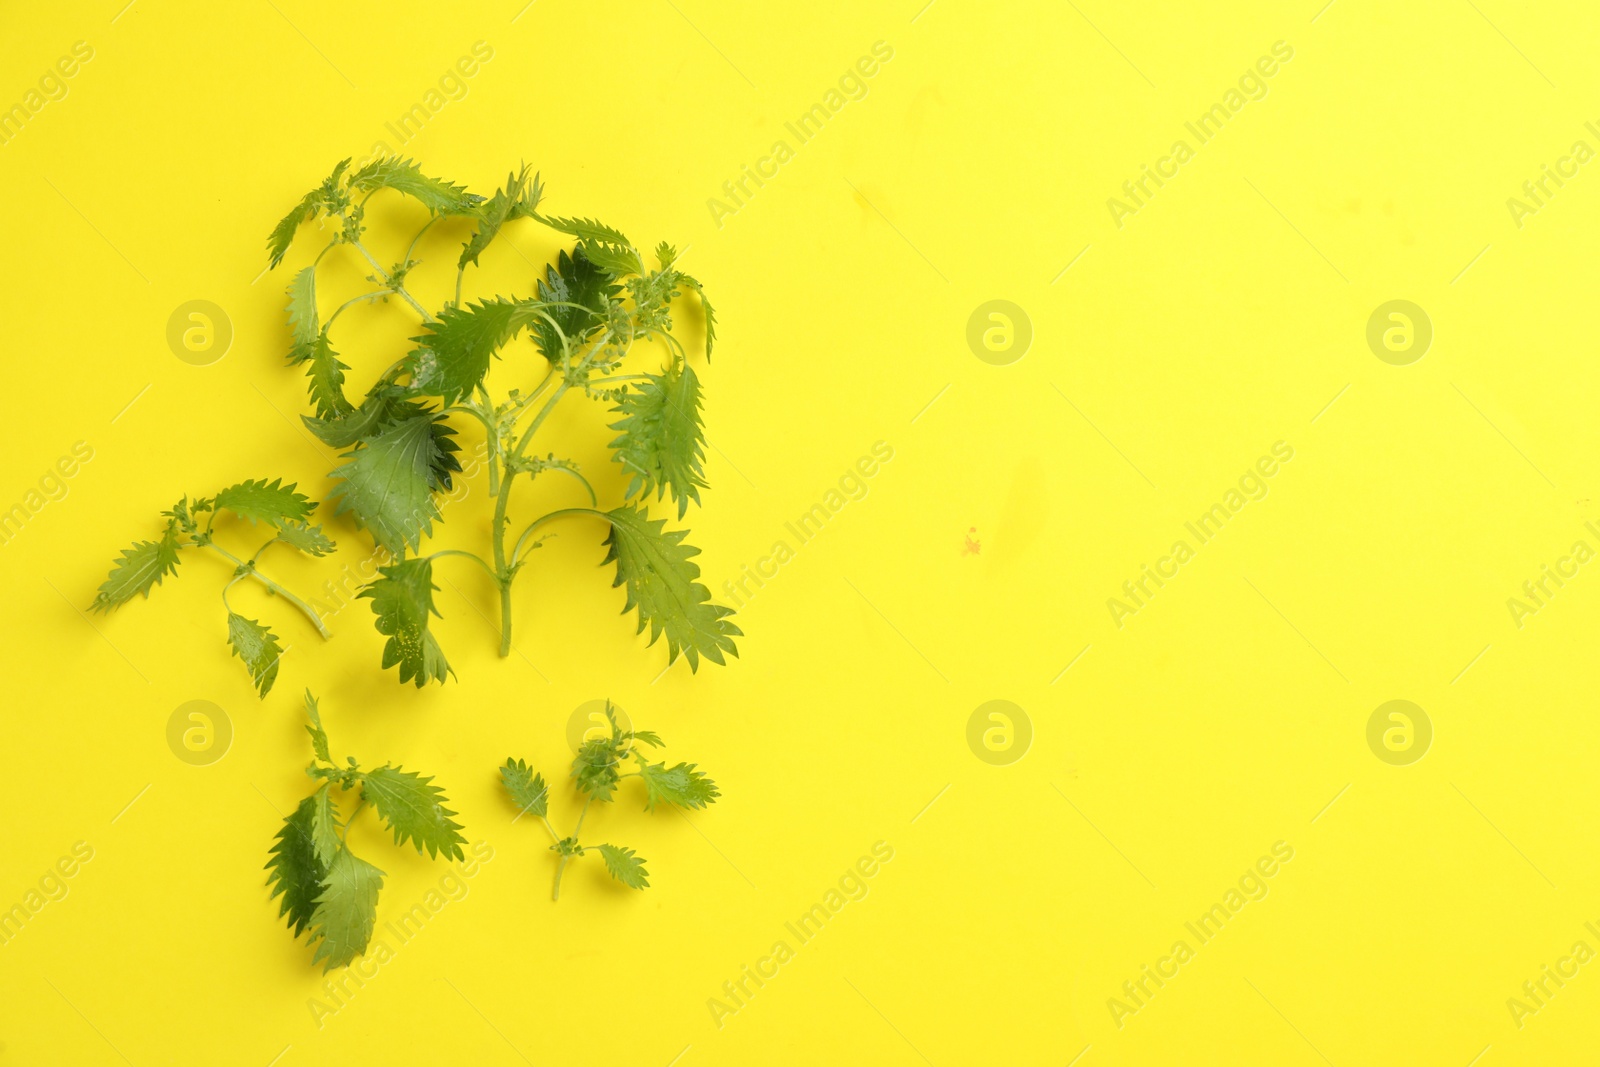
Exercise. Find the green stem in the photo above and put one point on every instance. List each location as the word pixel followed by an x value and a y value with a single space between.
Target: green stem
pixel 389 280
pixel 274 587
pixel 516 555
pixel 503 501
pixel 555 893
pixel 473 556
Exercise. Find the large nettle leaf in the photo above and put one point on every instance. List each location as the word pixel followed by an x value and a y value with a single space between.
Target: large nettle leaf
pixel 402 600
pixel 659 572
pixel 571 280
pixel 387 483
pixel 661 437
pixel 294 871
pixel 346 911
pixel 455 351
pixel 414 810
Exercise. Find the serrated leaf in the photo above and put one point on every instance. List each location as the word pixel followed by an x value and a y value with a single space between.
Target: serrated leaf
pixel 587 230
pixel 139 569
pixel 527 789
pixel 282 235
pixel 261 501
pixel 404 176
pixel 648 737
pixel 619 260
pixel 681 785
pixel 705 306
pixel 325 379
pixel 346 911
pixel 324 824
pixel 304 323
pixel 594 768
pixel 258 647
pixel 319 736
pixel 626 866
pixel 414 810
pixel 308 539
pixel 382 407
pixel 387 484
pixel 571 279
pixel 457 346
pixel 515 200
pixel 294 872
pixel 666 255
pixel 402 600
pixel 661 437
pixel 659 572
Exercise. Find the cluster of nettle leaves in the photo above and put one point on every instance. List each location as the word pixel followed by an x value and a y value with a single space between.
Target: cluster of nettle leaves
pixel 590 309
pixel 328 888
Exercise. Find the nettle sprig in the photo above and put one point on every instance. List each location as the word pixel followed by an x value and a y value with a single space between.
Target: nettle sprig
pixel 596 774
pixel 324 885
pixel 272 504
pixel 589 310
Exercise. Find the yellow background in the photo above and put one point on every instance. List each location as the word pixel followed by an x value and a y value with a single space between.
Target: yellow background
pixel 1223 717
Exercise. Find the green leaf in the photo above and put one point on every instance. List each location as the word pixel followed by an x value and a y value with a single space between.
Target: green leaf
pixel 404 176
pixel 587 230
pixel 282 235
pixel 705 306
pixel 324 824
pixel 414 810
pixel 258 647
pixel 681 785
pixel 455 352
pixel 594 768
pixel 659 572
pixel 346 911
pixel 325 379
pixel 528 791
pixel 620 260
pixel 571 280
pixel 402 600
pixel 661 437
pixel 304 325
pixel 387 484
pixel 262 501
pixel 517 199
pixel 626 866
pixel 139 570
pixel 319 737
pixel 383 406
pixel 294 872
pixel 308 539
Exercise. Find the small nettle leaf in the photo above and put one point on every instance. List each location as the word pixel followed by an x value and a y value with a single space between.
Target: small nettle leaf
pixel 619 260
pixel 456 349
pixel 262 501
pixel 705 306
pixel 589 230
pixel 387 484
pixel 282 235
pixel 319 737
pixel 571 280
pixel 258 647
pixel 404 176
pixel 414 810
pixel 594 768
pixel 517 199
pixel 682 785
pixel 308 539
pixel 294 871
pixel 139 570
pixel 661 436
pixel 325 379
pixel 382 407
pixel 402 600
pixel 527 789
pixel 324 825
pixel 659 572
pixel 304 325
pixel 346 911
pixel 626 866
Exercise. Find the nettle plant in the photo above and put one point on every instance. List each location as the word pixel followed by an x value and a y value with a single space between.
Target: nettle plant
pixel 324 885
pixel 272 504
pixel 596 775
pixel 590 309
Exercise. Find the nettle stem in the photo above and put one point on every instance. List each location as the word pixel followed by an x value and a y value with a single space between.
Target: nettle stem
pixel 555 892
pixel 248 569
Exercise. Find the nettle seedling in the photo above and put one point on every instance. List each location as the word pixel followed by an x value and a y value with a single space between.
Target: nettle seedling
pixel 592 306
pixel 324 885
pixel 596 774
pixel 273 504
